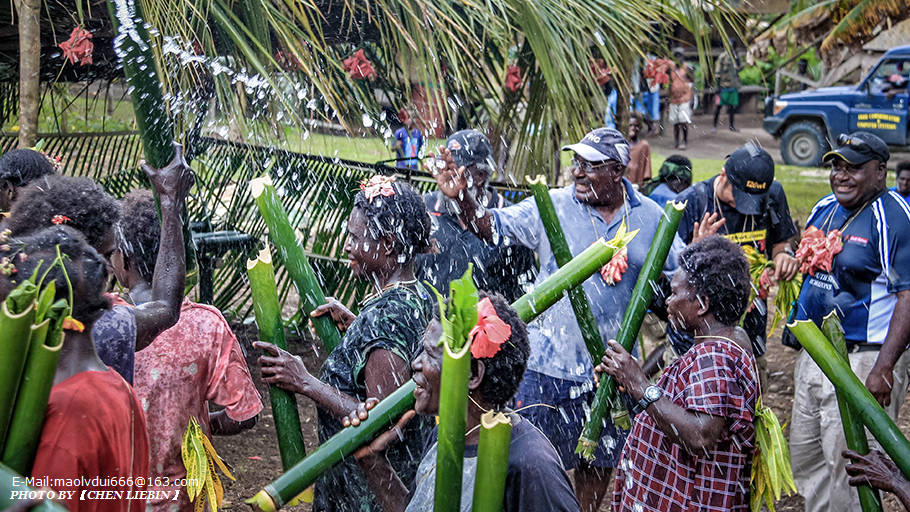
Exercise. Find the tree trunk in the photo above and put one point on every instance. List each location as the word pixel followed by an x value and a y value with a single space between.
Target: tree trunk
pixel 29 67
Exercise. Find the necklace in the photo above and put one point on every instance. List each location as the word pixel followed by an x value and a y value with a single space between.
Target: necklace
pixel 396 284
pixel 852 217
pixel 625 212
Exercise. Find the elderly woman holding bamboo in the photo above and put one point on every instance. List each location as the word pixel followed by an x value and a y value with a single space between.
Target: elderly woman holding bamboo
pixel 691 444
pixel 535 478
pixel 388 227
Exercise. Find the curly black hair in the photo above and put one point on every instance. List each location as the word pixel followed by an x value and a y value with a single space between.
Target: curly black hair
pixel 85 268
pixel 86 206
pixel 22 166
pixel 718 270
pixel 503 372
pixel 403 217
pixel 139 232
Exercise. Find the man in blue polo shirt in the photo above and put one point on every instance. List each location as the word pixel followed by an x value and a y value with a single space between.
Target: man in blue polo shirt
pixel 560 374
pixel 869 289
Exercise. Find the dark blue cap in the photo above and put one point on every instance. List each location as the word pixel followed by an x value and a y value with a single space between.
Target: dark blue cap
pixel 470 147
pixel 858 148
pixel 601 145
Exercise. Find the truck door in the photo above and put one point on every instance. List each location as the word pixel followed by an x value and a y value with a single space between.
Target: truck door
pixel 882 103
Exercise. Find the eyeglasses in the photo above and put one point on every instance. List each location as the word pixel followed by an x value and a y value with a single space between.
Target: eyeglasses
pixel 839 165
pixel 587 166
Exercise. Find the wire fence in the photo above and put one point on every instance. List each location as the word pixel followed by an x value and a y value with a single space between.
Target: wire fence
pixel 317 192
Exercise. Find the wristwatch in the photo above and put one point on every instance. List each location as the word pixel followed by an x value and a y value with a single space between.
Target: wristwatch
pixel 652 394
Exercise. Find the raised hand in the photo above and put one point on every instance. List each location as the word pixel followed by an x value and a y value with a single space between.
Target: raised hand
pixel 708 226
pixel 452 180
pixel 173 180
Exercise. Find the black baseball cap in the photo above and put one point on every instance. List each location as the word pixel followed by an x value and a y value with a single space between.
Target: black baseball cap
pixel 601 145
pixel 469 147
pixel 750 169
pixel 858 148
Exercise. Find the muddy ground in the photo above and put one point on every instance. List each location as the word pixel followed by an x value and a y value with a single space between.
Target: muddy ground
pixel 254 454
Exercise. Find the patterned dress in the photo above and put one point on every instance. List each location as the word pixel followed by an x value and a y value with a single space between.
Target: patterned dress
pixel 655 474
pixel 395 321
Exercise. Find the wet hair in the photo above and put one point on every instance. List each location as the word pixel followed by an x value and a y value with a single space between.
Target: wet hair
pixel 901 167
pixel 403 217
pixel 90 209
pixel 717 269
pixel 85 268
pixel 503 372
pixel 20 167
pixel 139 232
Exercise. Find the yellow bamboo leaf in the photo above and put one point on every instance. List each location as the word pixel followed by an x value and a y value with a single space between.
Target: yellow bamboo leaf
pixel 219 489
pixel 199 504
pixel 210 487
pixel 214 456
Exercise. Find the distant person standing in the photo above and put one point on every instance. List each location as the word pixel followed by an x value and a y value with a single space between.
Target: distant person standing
pixel 903 180
pixel 639 169
pixel 726 71
pixel 408 141
pixel 680 114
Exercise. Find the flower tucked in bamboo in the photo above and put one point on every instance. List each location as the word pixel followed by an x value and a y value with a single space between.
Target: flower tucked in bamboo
pixel 294 258
pixel 606 397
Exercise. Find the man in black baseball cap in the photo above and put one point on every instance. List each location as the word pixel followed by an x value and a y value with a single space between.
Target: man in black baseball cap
pixel 745 204
pixel 496 269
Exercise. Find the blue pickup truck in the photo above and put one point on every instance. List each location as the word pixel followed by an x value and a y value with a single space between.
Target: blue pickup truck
pixel 807 121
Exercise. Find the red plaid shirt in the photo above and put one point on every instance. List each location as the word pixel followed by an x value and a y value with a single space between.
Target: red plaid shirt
pixel 714 377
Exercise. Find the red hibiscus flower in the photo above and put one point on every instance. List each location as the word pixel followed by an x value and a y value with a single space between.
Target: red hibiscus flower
pixel 612 272
pixel 78 48
pixel 816 250
pixel 60 219
pixel 490 332
pixel 513 78
pixel 359 67
pixel 378 186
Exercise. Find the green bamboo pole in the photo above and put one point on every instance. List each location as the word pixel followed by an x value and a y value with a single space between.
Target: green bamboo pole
pixel 295 261
pixel 16 315
pixel 271 330
pixel 492 462
pixel 854 392
pixel 287 486
pixel 277 493
pixel 572 274
pixel 31 402
pixel 156 129
pixel 590 333
pixel 854 431
pixel 458 317
pixel 13 491
pixel 606 396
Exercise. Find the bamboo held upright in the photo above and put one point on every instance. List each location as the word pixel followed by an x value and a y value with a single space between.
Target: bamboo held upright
pixel 492 462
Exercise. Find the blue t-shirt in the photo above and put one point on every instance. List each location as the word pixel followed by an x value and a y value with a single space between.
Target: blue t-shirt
pixel 662 194
pixel 410 147
pixel 557 348
pixel 867 274
pixel 906 198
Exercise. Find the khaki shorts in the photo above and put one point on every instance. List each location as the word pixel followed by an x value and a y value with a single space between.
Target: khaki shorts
pixel 681 114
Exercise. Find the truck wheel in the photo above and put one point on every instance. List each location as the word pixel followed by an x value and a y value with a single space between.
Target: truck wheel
pixel 803 144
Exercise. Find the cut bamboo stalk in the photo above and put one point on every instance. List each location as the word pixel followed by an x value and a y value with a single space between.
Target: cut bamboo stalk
pixel 13 490
pixel 156 129
pixel 590 333
pixel 277 493
pixel 606 395
pixel 854 392
pixel 16 315
pixel 492 462
pixel 287 486
pixel 854 431
pixel 31 402
pixel 458 317
pixel 295 261
pixel 268 318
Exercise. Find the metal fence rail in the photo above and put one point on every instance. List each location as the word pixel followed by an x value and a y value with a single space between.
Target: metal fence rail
pixel 317 192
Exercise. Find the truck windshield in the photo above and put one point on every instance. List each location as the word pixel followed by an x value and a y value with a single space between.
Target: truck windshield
pixel 890 74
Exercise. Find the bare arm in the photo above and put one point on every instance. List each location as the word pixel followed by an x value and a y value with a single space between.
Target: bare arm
pixel 696 432
pixel 172 184
pixel 222 424
pixel 881 378
pixel 285 370
pixel 453 184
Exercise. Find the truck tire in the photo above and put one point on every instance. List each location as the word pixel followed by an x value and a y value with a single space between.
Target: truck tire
pixel 803 144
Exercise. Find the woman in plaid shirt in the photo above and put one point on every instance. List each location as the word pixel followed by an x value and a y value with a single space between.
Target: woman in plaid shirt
pixel 690 448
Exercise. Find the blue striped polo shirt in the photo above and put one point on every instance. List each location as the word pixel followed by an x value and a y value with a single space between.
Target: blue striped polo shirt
pixel 867 274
